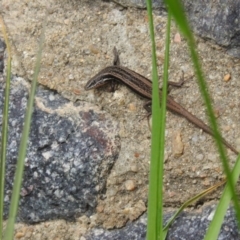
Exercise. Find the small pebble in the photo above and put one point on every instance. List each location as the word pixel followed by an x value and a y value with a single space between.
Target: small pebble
pixel 76 91
pixel 94 49
pixel 66 21
pixel 177 145
pixel 132 107
pixel 19 235
pixel 177 38
pixel 100 208
pixel 130 185
pixel 227 77
pixel 134 168
pixel 171 194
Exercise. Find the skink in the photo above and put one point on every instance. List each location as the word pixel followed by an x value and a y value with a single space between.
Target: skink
pixel 143 86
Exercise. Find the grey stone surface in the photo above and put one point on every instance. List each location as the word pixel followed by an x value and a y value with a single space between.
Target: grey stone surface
pixel 191 226
pixel 215 20
pixel 68 160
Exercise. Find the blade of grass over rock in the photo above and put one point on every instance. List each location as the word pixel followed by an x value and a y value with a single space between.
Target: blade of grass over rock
pixel 23 145
pixel 155 206
pixel 4 126
pixel 163 113
pixel 215 225
pixel 154 214
pixel 190 201
pixel 176 8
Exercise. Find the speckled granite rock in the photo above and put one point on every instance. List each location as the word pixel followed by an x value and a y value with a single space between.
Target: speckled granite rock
pixel 191 226
pixel 70 153
pixel 216 20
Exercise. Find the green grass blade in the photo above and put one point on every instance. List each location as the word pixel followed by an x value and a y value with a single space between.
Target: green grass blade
pixel 23 146
pixel 216 223
pixel 4 127
pixel 163 115
pixel 177 11
pixel 190 201
pixel 155 205
pixel 154 224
